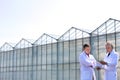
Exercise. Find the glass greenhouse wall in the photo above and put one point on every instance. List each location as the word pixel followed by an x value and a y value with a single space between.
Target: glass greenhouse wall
pixel 57 58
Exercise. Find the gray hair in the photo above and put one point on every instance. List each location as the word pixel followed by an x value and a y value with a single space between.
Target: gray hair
pixel 109 44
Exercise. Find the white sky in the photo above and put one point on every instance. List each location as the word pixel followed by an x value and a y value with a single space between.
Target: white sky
pixel 29 19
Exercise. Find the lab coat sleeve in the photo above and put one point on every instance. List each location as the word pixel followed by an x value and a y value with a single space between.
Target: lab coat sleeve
pixel 94 62
pixel 98 64
pixel 85 61
pixel 113 61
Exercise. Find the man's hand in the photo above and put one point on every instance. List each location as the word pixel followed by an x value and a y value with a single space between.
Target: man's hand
pixel 98 68
pixel 103 62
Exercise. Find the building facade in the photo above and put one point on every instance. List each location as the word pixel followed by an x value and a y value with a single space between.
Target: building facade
pixel 57 58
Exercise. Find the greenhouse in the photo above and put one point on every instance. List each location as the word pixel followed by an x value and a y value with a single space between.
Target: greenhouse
pixel 52 57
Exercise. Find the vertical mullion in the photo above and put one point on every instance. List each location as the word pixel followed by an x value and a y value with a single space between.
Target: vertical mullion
pixel 76 55
pixel 69 57
pixel 13 64
pixel 28 65
pixel 82 39
pixel 24 62
pixel 5 64
pixel 57 58
pixel 36 47
pixel 41 60
pixel 32 58
pixel 0 64
pixel 37 64
pixel 63 61
pixel 98 51
pixel 98 43
pixel 106 30
pixel 115 35
pixel 20 64
pixel 16 63
pixel 51 59
pixel 46 58
pixel 9 65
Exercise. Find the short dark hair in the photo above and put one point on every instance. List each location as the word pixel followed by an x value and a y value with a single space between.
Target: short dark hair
pixel 85 45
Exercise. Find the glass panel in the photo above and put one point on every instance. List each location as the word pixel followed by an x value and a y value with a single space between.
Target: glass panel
pixel 22 57
pixel 44 54
pixel 66 72
pixel 18 57
pixel 60 75
pixel 54 75
pixel 26 56
pixel 39 55
pixel 54 53
pixel 44 75
pixel 30 56
pixel 49 75
pixel 39 75
pixel 72 51
pixel 49 52
pixel 66 52
pixel 34 75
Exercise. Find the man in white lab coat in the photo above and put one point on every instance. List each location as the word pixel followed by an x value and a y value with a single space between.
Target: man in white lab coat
pixel 110 63
pixel 87 64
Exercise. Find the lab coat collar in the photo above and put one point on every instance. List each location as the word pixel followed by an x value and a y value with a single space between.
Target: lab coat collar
pixel 88 55
pixel 111 52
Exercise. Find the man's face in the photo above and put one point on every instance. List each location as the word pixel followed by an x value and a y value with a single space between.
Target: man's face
pixel 108 48
pixel 87 50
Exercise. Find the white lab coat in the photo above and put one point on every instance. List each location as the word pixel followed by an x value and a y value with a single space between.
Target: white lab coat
pixel 87 72
pixel 111 67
